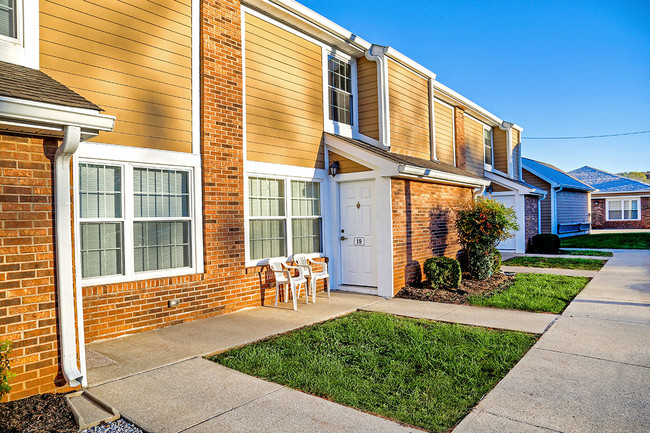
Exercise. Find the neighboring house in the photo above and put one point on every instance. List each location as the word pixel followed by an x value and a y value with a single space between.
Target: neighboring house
pixel 232 133
pixel 564 210
pixel 617 202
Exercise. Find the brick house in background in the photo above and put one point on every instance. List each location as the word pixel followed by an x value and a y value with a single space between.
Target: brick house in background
pixel 617 202
pixel 231 133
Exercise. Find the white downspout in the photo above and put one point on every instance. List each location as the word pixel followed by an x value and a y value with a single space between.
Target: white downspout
pixel 63 245
pixel 554 192
pixel 376 54
pixel 433 152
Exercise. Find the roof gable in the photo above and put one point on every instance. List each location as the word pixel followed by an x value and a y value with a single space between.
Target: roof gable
pixel 553 175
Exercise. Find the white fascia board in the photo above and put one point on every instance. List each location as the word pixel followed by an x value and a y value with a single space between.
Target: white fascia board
pixel 51 114
pixel 457 97
pixel 395 55
pixel 518 128
pixel 442 176
pixel 119 153
pixel 308 16
pixel 521 189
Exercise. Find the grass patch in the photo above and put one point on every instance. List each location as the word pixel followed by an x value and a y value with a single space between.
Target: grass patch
pixel 634 241
pixel 587 253
pixel 418 372
pixel 534 292
pixel 556 262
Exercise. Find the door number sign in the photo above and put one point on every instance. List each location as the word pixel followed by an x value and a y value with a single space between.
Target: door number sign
pixel 359 241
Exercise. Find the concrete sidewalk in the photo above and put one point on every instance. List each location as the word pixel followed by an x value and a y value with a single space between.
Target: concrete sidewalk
pixel 554 271
pixel 591 371
pixel 524 321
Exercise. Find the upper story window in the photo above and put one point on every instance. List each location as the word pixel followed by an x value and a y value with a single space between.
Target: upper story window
pixel 8 19
pixel 340 90
pixel 487 146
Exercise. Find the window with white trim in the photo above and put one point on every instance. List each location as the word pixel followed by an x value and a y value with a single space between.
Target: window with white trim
pixel 340 90
pixel 133 227
pixel 284 217
pixel 623 209
pixel 487 146
pixel 9 19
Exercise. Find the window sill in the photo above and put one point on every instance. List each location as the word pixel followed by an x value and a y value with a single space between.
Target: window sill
pixel 152 275
pixel 261 263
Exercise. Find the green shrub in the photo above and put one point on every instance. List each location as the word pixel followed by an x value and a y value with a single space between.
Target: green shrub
pixel 443 272
pixel 480 228
pixel 546 243
pixel 5 373
pixel 496 262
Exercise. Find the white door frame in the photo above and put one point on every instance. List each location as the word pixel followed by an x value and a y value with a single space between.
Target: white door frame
pixel 383 219
pixel 520 212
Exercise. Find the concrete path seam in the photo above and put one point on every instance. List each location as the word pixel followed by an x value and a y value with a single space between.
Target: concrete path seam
pixel 95 385
pixel 592 357
pixel 551 324
pixel 280 387
pixel 448 313
pixel 522 422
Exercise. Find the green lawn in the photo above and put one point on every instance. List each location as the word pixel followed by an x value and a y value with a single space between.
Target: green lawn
pixel 556 262
pixel 635 241
pixel 535 292
pixel 418 372
pixel 587 253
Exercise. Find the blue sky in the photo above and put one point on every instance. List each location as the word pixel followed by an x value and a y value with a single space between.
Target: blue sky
pixel 570 68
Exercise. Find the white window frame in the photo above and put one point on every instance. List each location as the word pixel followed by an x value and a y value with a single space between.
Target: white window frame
pixel 129 158
pixel 485 164
pixel 266 170
pixel 24 48
pixel 623 200
pixel 332 126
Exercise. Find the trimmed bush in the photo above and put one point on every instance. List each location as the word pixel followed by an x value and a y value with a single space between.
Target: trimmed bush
pixel 546 243
pixel 5 374
pixel 496 262
pixel 443 272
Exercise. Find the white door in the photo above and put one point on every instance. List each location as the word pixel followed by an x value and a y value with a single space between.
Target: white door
pixel 509 244
pixel 357 233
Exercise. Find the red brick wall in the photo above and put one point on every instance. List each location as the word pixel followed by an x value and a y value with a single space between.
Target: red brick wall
pixel 27 278
pixel 599 220
pixel 531 217
pixel 423 215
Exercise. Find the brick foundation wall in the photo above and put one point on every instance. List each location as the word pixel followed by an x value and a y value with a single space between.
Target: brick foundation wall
pixel 27 277
pixel 423 215
pixel 531 218
pixel 599 220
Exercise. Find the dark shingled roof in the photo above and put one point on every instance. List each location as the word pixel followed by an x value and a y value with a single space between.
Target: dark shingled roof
pixel 21 82
pixel 608 182
pixel 406 160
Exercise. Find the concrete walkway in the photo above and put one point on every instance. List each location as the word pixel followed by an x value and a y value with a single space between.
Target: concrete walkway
pixel 524 321
pixel 554 271
pixel 591 371
pixel 506 256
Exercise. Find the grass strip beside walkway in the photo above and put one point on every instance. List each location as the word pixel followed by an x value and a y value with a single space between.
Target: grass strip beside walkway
pixel 418 372
pixel 556 262
pixel 534 292
pixel 634 241
pixel 587 253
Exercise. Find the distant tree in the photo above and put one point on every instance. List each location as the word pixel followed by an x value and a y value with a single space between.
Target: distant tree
pixel 636 175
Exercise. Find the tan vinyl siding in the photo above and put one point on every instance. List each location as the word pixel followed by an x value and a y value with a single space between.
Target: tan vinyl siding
pixel 347 165
pixel 132 59
pixel 499 188
pixel 516 152
pixel 572 207
pixel 368 98
pixel 500 149
pixel 545 205
pixel 284 96
pixel 444 116
pixel 474 146
pixel 409 112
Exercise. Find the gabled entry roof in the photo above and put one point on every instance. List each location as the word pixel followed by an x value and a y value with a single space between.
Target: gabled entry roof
pixel 553 175
pixel 394 164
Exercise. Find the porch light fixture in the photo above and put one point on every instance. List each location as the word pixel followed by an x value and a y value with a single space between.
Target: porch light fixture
pixel 334 168
pixel 489 189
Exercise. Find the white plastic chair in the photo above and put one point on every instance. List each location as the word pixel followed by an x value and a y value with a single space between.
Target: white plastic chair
pixel 284 278
pixel 312 275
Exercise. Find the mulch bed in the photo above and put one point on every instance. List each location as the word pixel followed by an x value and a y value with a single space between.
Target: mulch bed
pixel 423 292
pixel 40 413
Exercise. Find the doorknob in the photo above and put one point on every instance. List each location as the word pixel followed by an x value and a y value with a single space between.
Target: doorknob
pixel 343 238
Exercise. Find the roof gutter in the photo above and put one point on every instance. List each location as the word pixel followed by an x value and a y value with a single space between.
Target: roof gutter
pixel 376 53
pixel 442 176
pixel 63 245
